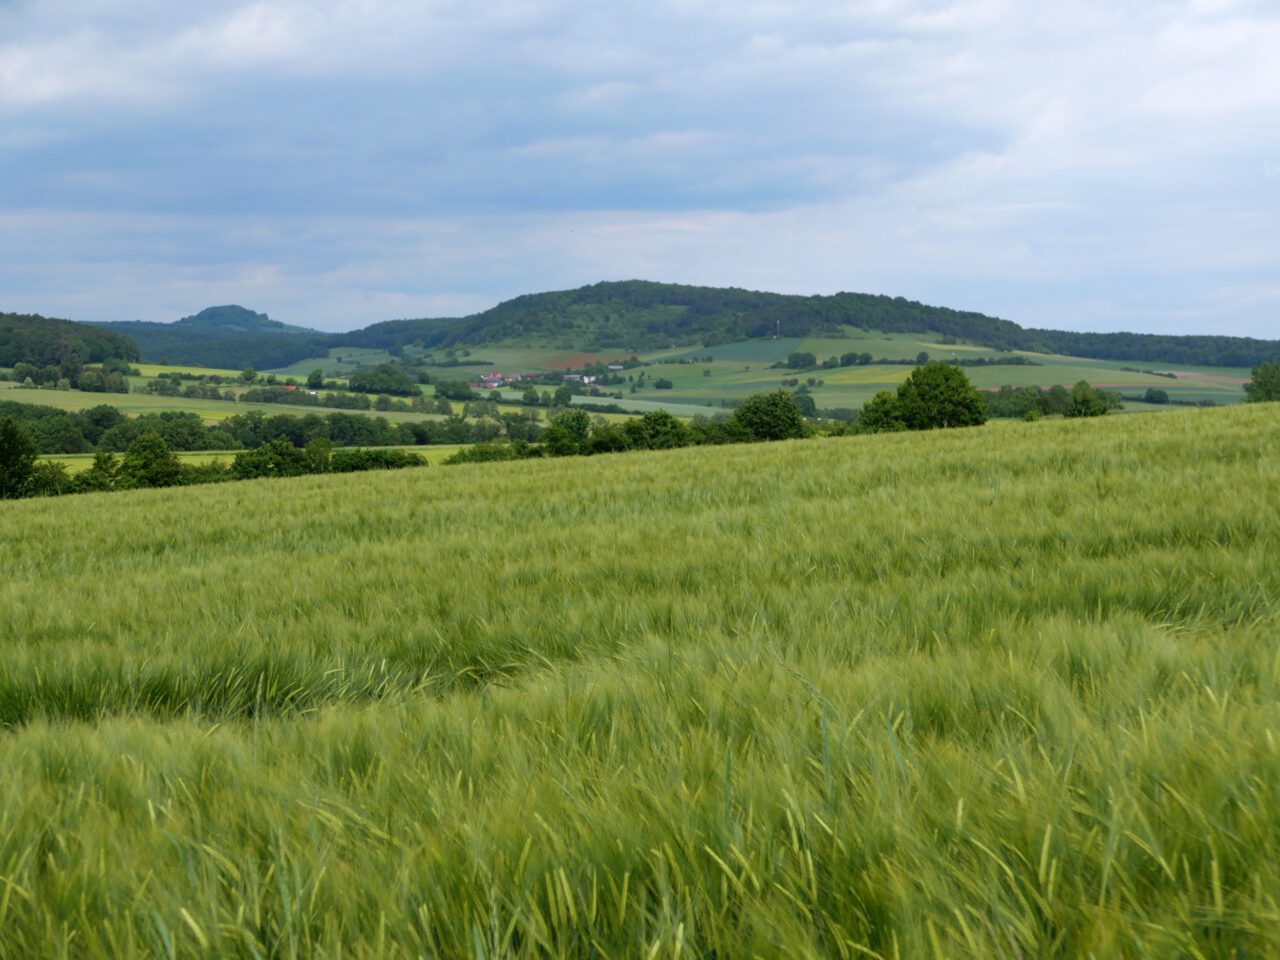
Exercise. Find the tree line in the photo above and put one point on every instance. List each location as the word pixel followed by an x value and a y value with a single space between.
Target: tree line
pixel 150 462
pixel 104 428
pixel 108 377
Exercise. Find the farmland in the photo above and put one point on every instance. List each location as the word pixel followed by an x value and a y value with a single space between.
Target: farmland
pixel 703 377
pixel 1005 691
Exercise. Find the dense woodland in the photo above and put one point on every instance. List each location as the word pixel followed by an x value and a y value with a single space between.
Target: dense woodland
pixel 228 337
pixel 45 341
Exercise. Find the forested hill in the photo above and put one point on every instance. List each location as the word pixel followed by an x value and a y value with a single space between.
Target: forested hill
pixel 46 341
pixel 231 336
pixel 637 315
pixel 1156 348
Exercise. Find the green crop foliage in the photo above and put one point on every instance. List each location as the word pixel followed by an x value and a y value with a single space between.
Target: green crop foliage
pixel 1010 691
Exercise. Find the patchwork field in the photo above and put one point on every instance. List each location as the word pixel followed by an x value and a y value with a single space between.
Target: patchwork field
pixel 211 411
pixel 1009 691
pixel 734 371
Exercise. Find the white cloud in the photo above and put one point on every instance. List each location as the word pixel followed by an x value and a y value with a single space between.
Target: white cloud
pixel 1044 161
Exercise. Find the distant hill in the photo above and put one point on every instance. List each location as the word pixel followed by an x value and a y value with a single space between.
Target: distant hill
pixel 230 336
pixel 637 316
pixel 235 319
pixel 45 341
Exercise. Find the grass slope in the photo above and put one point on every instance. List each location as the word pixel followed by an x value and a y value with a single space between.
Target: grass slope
pixel 1009 691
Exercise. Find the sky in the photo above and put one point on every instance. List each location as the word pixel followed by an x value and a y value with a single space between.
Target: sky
pixel 1074 165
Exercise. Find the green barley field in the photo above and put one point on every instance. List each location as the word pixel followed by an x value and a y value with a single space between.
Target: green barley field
pixel 1011 691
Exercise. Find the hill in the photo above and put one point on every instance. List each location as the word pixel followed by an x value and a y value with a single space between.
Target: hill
pixel 230 337
pixel 638 316
pixel 972 693
pixel 46 341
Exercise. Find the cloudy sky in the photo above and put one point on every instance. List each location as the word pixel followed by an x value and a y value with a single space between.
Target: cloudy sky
pixel 1083 165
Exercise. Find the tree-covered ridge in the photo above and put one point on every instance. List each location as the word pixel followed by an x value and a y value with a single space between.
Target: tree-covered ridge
pixel 47 341
pixel 637 315
pixel 230 337
pixel 1212 351
pixel 233 318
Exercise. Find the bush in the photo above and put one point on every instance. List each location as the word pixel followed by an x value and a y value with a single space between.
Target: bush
pixel 771 416
pixel 656 430
pixel 1085 401
pixel 352 461
pixel 48 479
pixel 279 458
pixel 149 463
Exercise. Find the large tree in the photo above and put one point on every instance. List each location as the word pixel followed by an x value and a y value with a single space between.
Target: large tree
pixel 17 459
pixel 1265 383
pixel 939 395
pixel 149 463
pixel 1086 401
pixel 771 416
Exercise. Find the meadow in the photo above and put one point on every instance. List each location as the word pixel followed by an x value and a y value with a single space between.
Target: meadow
pixel 1007 691
pixel 733 371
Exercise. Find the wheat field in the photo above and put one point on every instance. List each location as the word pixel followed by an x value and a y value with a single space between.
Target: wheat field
pixel 1009 691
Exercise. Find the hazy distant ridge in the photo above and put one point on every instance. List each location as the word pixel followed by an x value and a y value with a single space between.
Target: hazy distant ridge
pixel 639 316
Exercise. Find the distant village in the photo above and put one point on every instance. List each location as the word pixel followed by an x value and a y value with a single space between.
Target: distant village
pixel 495 379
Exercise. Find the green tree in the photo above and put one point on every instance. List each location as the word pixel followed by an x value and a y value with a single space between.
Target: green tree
pixel 149 463
pixel 771 416
pixel 279 458
pixel 1156 395
pixel 315 379
pixel 656 430
pixel 17 459
pixel 1264 384
pixel 103 473
pixel 319 454
pixel 801 360
pixel 567 433
pixel 880 414
pixel 1085 401
pixel 939 395
pixel 48 479
pixel 922 358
